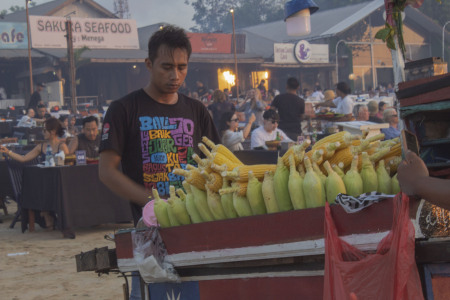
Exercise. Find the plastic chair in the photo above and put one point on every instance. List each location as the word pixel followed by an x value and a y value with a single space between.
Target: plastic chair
pixel 15 170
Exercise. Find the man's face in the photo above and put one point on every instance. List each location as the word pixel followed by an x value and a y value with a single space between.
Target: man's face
pixel 31 113
pixel 168 70
pixel 41 112
pixel 90 130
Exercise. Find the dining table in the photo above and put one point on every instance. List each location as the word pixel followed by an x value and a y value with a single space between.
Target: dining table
pixel 75 195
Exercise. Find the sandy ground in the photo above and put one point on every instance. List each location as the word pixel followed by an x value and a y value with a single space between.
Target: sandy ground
pixel 48 271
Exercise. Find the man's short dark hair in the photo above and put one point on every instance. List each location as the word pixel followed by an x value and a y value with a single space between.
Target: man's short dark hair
pixel 171 36
pixel 40 84
pixel 271 114
pixel 41 106
pixel 292 83
pixel 89 120
pixel 343 87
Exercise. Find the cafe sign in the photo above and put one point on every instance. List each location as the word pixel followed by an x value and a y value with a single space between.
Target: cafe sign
pixel 50 32
pixel 300 53
pixel 13 35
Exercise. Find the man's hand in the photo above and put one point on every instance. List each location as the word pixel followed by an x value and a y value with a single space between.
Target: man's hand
pixel 411 171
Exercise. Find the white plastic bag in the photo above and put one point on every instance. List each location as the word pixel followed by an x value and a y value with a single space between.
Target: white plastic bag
pixel 149 254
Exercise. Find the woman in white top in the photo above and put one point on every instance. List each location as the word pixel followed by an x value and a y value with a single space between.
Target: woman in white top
pixel 231 138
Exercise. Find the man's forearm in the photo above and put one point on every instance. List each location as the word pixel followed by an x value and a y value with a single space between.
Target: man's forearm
pixel 124 186
pixel 434 190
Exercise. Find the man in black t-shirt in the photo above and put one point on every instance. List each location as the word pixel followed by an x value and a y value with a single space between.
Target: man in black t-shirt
pixel 155 129
pixel 35 98
pixel 291 109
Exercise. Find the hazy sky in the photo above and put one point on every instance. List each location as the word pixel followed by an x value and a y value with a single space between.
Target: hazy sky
pixel 145 12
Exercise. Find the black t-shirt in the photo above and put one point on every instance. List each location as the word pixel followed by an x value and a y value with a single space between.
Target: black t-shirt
pixel 154 138
pixel 34 100
pixel 290 108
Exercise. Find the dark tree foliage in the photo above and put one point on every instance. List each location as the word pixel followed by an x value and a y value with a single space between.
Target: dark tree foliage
pixel 215 16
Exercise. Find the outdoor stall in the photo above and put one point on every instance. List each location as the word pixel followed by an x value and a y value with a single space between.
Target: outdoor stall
pixel 276 253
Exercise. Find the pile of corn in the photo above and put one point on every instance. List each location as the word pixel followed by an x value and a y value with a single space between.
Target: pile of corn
pixel 222 187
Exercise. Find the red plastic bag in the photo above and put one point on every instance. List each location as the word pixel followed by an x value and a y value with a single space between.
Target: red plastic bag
pixel 390 273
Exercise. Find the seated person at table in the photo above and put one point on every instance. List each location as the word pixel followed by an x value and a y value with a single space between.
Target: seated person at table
pixel 65 123
pixel 344 104
pixel 373 111
pixel 390 116
pixel 41 114
pixel 88 139
pixel 268 131
pixel 363 113
pixel 231 137
pixel 27 120
pixel 52 132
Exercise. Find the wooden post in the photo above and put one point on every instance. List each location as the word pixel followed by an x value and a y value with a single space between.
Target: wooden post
pixel 29 48
pixel 70 57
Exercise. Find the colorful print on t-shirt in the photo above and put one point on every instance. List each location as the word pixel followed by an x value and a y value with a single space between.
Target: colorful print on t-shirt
pixel 167 143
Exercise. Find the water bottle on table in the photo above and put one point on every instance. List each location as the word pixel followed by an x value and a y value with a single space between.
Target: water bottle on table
pixel 49 159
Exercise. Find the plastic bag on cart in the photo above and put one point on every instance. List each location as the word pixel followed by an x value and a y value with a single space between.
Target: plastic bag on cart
pixel 389 274
pixel 149 254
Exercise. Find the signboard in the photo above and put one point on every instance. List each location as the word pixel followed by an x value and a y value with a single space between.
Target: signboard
pixel 284 53
pixel 210 42
pixel 13 35
pixel 80 157
pixel 50 32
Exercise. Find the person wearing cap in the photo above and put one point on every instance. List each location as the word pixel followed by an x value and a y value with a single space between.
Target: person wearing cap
pixel 329 96
pixel 268 131
pixel 35 98
pixel 344 104
pixel 390 116
pixel 373 111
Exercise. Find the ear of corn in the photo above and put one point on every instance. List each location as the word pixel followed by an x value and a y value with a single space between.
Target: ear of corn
pixel 392 162
pixel 366 142
pixel 368 174
pixel 193 177
pixel 202 164
pixel 319 173
pixel 338 170
pixel 241 205
pixel 227 202
pixel 255 196
pixel 213 181
pixel 384 180
pixel 221 149
pixel 295 186
pixel 281 181
pixel 241 173
pixel 313 188
pixel 269 193
pixel 330 149
pixel 374 158
pixel 298 151
pixel 190 205
pixel 201 203
pixel 177 212
pixel 343 137
pixel 238 187
pixel 301 170
pixel 352 179
pixel 334 184
pixel 160 209
pixel 344 155
pixel 215 205
pixel 395 186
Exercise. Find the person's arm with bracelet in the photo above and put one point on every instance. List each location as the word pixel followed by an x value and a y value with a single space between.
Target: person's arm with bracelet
pixel 415 180
pixel 22 158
